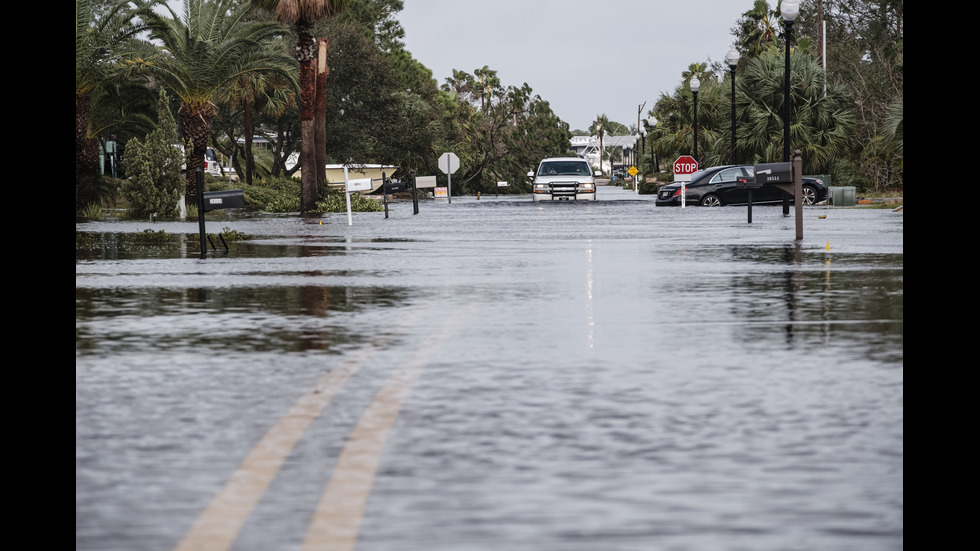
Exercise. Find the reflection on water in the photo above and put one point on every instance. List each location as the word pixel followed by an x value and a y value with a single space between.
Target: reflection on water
pixel 259 319
pixel 603 376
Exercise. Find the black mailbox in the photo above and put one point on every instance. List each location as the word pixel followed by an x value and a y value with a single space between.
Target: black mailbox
pixel 774 173
pixel 746 182
pixel 231 199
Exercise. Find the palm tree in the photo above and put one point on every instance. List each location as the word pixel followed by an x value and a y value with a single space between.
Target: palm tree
pixel 302 15
pixel 268 92
pixel 100 44
pixel 674 133
pixel 760 28
pixel 822 124
pixel 598 129
pixel 205 50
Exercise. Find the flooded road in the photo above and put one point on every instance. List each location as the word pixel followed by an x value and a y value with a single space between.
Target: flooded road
pixel 494 374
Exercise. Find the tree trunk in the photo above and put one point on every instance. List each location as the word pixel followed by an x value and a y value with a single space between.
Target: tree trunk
pixel 306 53
pixel 321 112
pixel 249 133
pixel 86 155
pixel 195 123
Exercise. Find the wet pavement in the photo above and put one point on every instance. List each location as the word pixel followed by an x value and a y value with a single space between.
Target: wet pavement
pixel 494 374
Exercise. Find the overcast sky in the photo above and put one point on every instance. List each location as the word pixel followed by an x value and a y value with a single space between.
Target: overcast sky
pixel 583 57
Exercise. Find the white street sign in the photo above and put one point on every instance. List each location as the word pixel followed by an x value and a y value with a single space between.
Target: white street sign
pixel 448 163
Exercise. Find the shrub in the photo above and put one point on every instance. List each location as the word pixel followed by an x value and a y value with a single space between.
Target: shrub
pixel 335 202
pixel 155 182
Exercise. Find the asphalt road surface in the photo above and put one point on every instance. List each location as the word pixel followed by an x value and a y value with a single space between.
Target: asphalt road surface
pixel 493 374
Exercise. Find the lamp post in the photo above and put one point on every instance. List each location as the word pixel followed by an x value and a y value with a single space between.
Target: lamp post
pixel 643 146
pixel 732 59
pixel 790 9
pixel 695 86
pixel 653 156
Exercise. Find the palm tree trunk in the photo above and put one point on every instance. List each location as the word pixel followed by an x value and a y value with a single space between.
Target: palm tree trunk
pixel 321 112
pixel 195 121
pixel 306 53
pixel 86 154
pixel 249 133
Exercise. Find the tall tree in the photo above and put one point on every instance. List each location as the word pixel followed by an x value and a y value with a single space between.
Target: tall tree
pixel 206 49
pixel 153 165
pixel 102 38
pixel 759 29
pixel 822 124
pixel 498 132
pixel 674 134
pixel 302 15
pixel 380 104
pixel 865 54
pixel 598 129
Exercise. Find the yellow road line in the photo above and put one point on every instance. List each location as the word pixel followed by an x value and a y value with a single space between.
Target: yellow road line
pixel 338 516
pixel 218 526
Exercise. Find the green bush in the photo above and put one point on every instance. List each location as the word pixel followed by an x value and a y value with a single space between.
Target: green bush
pixel 335 202
pixel 283 195
pixel 155 181
pixel 273 195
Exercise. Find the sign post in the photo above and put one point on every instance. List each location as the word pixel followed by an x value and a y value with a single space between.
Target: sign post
pixel 363 184
pixel 449 163
pixel 684 166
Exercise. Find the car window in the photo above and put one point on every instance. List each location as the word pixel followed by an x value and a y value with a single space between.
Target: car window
pixel 727 175
pixel 564 168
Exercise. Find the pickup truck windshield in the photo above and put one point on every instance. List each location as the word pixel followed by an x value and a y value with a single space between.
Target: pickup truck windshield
pixel 564 168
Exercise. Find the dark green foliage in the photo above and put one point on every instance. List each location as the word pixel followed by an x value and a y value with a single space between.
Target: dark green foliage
pixel 154 168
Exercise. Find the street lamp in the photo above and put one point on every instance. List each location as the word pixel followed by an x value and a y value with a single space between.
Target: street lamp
pixel 790 9
pixel 732 59
pixel 695 86
pixel 643 145
pixel 652 121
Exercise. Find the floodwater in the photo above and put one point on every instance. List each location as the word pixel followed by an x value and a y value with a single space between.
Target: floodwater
pixel 494 374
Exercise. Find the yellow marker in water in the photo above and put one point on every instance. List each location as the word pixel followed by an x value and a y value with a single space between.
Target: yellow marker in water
pixel 828 246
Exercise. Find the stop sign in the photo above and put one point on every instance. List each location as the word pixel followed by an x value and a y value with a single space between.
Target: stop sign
pixel 685 165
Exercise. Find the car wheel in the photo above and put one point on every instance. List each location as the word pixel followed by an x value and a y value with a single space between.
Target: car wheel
pixel 711 201
pixel 809 195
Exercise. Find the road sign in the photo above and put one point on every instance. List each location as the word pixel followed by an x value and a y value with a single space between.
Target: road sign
pixel 448 163
pixel 685 165
pixel 632 171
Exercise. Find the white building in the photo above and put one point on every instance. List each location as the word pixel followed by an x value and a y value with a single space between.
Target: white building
pixel 587 147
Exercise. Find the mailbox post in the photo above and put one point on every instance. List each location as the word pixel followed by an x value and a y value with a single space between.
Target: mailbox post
pixel 787 177
pixel 214 200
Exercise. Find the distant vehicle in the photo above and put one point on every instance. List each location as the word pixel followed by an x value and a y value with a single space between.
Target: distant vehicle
pixel 211 164
pixel 563 179
pixel 718 186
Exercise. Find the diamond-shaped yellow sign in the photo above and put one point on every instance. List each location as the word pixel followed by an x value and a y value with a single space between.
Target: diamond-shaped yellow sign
pixel 633 171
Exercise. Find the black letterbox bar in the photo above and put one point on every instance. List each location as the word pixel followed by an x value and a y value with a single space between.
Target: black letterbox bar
pixel 773 173
pixel 231 199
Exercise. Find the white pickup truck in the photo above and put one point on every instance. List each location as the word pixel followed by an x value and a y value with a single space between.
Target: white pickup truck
pixel 563 179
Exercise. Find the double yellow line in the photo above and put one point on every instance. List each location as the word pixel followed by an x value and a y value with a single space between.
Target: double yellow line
pixel 338 515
